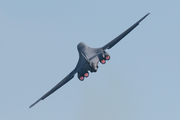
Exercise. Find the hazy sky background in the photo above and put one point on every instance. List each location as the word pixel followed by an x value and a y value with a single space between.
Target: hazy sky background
pixel 38 41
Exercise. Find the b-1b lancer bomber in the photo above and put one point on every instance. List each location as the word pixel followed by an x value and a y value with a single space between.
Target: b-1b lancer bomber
pixel 89 59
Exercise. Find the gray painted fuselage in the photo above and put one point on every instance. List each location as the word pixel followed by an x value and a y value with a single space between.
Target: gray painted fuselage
pixel 89 59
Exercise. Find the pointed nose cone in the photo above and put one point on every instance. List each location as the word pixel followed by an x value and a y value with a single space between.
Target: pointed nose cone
pixel 81 46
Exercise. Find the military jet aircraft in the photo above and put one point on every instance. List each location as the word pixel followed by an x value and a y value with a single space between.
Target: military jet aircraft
pixel 89 59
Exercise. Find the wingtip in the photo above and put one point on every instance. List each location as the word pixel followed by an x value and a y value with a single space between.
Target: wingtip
pixel 143 18
pixel 146 15
pixel 34 103
pixel 30 106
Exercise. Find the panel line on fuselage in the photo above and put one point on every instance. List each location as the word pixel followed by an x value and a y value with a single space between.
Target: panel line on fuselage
pixel 85 56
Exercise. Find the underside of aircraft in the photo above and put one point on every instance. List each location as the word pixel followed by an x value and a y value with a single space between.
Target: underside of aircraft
pixel 89 59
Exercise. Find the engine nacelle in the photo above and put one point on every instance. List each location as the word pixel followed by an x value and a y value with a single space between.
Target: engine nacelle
pixel 80 77
pixel 103 57
pixel 103 61
pixel 86 74
pixel 107 56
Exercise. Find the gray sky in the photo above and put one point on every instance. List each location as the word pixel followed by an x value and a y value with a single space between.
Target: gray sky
pixel 38 49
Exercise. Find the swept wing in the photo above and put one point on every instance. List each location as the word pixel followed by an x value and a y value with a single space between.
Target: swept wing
pixel 121 36
pixel 60 84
